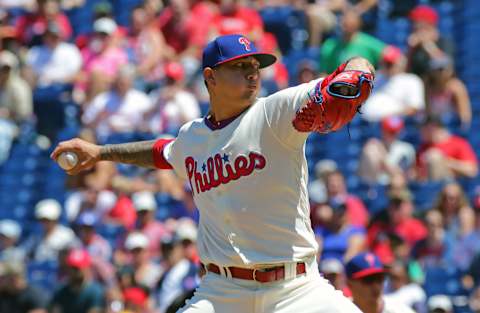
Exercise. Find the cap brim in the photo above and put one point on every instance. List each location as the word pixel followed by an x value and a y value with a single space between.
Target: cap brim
pixel 265 59
pixel 368 272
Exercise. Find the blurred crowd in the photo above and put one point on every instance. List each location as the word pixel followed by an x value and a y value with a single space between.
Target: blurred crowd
pixel 130 70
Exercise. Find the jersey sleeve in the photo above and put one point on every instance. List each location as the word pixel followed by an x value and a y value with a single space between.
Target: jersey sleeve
pixel 280 110
pixel 168 154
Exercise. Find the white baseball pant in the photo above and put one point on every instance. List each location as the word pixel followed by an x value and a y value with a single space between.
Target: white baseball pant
pixel 307 293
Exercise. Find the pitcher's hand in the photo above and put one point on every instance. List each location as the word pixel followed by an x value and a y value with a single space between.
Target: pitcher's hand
pixel 88 153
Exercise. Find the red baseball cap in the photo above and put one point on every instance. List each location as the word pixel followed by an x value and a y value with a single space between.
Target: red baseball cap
pixel 391 54
pixel 424 13
pixel 135 295
pixel 79 258
pixel 392 124
pixel 174 70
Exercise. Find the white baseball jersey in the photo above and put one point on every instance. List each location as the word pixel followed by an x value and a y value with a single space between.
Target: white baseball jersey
pixel 249 180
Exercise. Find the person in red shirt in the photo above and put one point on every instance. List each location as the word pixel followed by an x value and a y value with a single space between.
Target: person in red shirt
pixel 397 223
pixel 30 27
pixel 443 155
pixel 238 19
pixel 357 214
pixel 179 23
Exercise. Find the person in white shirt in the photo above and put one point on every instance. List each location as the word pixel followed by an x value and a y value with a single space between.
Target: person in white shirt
pixel 54 238
pixel 384 157
pixel 178 269
pixel 174 104
pixel 119 110
pixel 246 166
pixel 396 92
pixel 53 62
pixel 403 289
pixel 440 304
pixel 366 278
pixel 10 252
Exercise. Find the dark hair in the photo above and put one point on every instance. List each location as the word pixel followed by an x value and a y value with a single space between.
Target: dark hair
pixel 432 119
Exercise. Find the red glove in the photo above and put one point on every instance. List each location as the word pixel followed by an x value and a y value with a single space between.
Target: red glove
pixel 335 101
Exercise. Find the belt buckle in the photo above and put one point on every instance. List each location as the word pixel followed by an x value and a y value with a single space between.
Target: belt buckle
pixel 255 274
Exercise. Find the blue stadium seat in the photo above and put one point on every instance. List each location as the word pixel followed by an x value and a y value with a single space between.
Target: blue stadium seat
pixel 43 275
pixel 425 194
pixel 112 233
pixel 289 26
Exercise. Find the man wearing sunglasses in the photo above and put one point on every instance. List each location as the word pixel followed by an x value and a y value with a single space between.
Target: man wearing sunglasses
pixel 248 174
pixel 365 278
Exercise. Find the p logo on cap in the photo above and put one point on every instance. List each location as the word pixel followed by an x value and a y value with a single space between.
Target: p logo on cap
pixel 244 41
pixel 231 47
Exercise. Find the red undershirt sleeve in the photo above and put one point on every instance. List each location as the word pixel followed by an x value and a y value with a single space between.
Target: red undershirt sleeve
pixel 158 157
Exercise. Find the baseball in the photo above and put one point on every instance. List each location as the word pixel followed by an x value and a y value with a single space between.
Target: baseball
pixel 67 160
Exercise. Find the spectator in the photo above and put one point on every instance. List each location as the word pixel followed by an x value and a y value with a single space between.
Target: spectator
pixel 147 47
pixel 179 275
pixel 122 213
pixel 135 300
pixel 31 27
pixel 440 304
pixel 397 222
pixel 16 95
pixel 147 273
pixel 321 19
pixel 186 232
pixel 433 249
pixel 97 247
pixel 366 276
pixel 474 302
pixel 146 205
pixel 333 271
pixel 403 92
pixel 90 199
pixel 425 42
pixel 317 191
pixel 337 237
pixel 173 105
pixel 447 96
pixel 54 237
pixel 459 223
pixel 102 59
pixel 179 24
pixel 403 290
pixel 443 155
pixel 385 157
pixel 80 294
pixel 458 215
pixel 15 102
pixel 16 295
pixel 28 5
pixel 119 110
pixel 46 62
pixel 236 18
pixel 306 71
pixel 357 214
pixel 10 252
pixel 352 43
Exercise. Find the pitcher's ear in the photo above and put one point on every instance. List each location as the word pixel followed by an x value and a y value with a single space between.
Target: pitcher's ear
pixel 209 76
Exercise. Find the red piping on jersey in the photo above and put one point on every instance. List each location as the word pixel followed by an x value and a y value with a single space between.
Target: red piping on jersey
pixel 158 158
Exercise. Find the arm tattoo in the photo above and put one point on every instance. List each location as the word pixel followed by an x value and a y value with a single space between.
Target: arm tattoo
pixel 137 153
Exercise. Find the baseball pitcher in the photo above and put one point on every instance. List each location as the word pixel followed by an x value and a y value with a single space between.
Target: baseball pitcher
pixel 245 163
